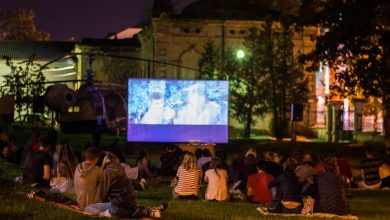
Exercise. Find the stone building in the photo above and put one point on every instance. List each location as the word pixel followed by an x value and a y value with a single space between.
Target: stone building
pixel 179 39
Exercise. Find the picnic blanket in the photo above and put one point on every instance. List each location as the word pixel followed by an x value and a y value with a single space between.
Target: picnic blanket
pixel 57 200
pixel 264 211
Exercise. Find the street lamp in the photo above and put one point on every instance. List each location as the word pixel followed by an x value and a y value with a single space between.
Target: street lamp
pixel 240 54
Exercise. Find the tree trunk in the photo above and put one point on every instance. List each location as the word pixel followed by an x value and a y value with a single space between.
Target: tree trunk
pixel 386 126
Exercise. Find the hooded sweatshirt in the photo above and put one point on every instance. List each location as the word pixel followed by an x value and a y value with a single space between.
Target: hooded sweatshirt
pixel 114 187
pixel 85 183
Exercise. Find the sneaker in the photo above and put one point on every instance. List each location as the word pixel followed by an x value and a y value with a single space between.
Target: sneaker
pixel 162 207
pixel 143 184
pixel 105 214
pixel 154 213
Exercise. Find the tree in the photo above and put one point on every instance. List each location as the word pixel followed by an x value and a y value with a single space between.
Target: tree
pixel 243 75
pixel 355 43
pixel 266 79
pixel 20 26
pixel 25 80
pixel 209 62
pixel 285 81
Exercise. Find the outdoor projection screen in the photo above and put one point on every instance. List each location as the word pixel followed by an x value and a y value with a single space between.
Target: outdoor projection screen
pixel 177 111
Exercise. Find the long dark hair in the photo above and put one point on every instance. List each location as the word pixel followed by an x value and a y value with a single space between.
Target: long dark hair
pixel 216 163
pixel 67 161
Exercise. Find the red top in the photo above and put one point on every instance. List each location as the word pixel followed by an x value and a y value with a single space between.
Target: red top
pixel 259 183
pixel 344 168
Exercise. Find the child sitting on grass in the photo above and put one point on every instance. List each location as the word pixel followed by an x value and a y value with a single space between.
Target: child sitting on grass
pixel 216 177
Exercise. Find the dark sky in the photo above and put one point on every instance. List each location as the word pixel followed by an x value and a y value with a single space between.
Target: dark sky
pixel 82 18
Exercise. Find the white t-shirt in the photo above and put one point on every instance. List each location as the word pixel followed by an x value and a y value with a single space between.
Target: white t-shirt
pixel 217 185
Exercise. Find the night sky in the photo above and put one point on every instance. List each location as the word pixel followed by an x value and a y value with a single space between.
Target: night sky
pixel 82 18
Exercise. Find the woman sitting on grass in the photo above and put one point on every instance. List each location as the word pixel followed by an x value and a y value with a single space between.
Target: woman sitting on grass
pixel 66 166
pixel 216 177
pixel 189 177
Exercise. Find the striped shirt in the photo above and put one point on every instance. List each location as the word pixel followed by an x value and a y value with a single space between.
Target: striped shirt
pixel 189 181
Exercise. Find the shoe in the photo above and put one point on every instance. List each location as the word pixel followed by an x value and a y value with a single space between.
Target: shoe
pixel 143 184
pixel 154 213
pixel 105 214
pixel 162 207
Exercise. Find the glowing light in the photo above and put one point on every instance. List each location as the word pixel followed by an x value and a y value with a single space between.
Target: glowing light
pixel 240 54
pixel 326 79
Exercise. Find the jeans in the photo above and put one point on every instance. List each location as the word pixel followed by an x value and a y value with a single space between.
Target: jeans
pixel 96 208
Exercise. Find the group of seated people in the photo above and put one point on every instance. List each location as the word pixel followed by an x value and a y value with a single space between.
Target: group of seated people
pixel 283 184
pixel 101 183
pixel 104 184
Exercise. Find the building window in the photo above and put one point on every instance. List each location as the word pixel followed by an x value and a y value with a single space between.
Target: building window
pixel 232 31
pixel 242 32
pixel 197 30
pixel 162 52
pixel 186 30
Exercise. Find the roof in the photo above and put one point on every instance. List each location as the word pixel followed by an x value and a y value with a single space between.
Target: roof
pixel 41 49
pixel 130 42
pixel 227 9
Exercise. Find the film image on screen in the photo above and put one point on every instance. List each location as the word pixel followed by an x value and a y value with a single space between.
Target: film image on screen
pixel 184 110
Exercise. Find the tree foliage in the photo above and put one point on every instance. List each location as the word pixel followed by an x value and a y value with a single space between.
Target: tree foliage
pixel 267 79
pixel 355 42
pixel 25 80
pixel 20 26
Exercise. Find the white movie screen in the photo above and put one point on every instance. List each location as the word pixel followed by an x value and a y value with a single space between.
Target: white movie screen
pixel 178 110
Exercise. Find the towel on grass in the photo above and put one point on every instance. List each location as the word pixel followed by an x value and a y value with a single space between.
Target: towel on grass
pixel 264 211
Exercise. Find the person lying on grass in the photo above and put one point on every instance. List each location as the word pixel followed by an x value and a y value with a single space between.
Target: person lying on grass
pixel 115 195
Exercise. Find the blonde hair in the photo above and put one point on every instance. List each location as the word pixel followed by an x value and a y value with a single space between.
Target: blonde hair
pixel 251 151
pixel 189 161
pixel 109 159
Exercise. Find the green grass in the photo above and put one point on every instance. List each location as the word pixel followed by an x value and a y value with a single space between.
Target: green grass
pixel 15 205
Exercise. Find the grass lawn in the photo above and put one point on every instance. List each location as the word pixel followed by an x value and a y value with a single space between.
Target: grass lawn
pixel 15 205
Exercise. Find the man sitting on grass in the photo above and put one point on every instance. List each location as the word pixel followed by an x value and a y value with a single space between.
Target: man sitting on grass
pixel 369 171
pixel 257 186
pixel 115 195
pixel 36 167
pixel 331 196
pixel 86 178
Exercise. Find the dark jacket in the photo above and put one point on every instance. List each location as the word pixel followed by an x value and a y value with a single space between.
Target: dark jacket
pixel 114 187
pixel 331 196
pixel 288 187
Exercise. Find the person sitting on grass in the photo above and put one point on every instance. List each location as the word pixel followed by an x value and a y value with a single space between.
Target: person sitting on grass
pixel 288 196
pixel 216 177
pixel 188 178
pixel 205 158
pixel 384 170
pixel 330 194
pixel 249 167
pixel 257 186
pixel 143 163
pixel 36 167
pixel 66 166
pixel 169 161
pixel 86 178
pixel 115 195
pixel 369 171
pixel 273 168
